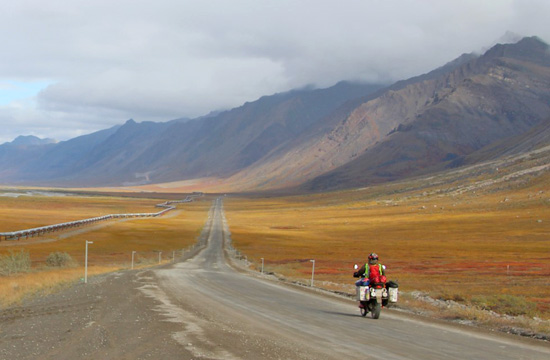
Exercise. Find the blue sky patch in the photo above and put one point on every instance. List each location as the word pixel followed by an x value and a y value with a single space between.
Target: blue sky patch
pixel 12 90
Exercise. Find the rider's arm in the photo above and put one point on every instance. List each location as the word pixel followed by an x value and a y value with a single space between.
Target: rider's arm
pixel 360 272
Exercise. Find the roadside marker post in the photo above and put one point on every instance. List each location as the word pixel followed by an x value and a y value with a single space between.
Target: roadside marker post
pixel 312 271
pixel 133 253
pixel 86 262
pixel 262 265
pixel 160 252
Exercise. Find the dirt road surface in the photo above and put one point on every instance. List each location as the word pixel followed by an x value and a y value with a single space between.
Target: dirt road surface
pixel 201 308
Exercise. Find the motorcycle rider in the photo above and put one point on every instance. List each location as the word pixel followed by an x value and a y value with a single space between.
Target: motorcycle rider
pixel 371 272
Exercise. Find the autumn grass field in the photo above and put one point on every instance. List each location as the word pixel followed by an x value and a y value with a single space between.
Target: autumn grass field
pixel 485 244
pixel 488 246
pixel 24 212
pixel 113 240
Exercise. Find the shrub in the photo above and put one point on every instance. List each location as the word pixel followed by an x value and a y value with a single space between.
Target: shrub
pixel 15 262
pixel 59 259
pixel 448 294
pixel 505 304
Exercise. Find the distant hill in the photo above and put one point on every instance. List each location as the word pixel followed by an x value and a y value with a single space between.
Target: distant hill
pixel 473 109
pixel 30 140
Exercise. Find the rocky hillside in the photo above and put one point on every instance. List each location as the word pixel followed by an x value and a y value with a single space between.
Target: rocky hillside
pixel 440 122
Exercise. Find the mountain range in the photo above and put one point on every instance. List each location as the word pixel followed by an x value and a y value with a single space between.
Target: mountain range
pixel 473 109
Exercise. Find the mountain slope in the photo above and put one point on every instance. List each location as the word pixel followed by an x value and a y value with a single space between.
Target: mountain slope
pixel 531 141
pixel 63 159
pixel 503 93
pixel 344 134
pixel 225 144
pixel 217 145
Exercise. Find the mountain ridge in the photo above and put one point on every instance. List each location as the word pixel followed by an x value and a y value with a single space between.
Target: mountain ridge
pixel 481 101
pixel 347 135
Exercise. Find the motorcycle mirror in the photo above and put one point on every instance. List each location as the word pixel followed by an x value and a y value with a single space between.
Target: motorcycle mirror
pixel 355 267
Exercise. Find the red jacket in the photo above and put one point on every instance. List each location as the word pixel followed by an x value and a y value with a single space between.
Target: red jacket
pixel 371 272
pixel 376 274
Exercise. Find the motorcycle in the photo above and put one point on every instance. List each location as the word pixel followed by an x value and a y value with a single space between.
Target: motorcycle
pixel 373 297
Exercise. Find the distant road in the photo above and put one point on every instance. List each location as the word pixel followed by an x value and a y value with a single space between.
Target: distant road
pixel 201 308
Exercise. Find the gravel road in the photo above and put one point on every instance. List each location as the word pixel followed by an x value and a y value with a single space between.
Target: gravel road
pixel 201 308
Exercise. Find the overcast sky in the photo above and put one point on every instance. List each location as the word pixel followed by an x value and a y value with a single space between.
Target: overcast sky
pixel 72 67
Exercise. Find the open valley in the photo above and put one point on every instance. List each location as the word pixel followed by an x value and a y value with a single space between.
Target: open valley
pixel 482 249
pixel 275 180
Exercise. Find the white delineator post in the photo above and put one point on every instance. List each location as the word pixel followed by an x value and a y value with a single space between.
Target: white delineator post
pixel 312 271
pixel 86 262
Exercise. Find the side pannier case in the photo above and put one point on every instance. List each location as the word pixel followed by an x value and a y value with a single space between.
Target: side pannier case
pixel 362 293
pixel 393 291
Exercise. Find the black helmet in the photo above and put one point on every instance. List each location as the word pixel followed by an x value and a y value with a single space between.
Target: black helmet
pixel 373 259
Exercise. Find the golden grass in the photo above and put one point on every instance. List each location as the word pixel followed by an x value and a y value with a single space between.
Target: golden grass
pixel 16 288
pixel 27 212
pixel 113 240
pixel 450 246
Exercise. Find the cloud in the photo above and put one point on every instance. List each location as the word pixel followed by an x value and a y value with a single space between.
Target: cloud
pixel 106 62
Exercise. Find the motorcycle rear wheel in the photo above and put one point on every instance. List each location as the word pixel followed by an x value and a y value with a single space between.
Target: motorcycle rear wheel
pixel 364 311
pixel 376 311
